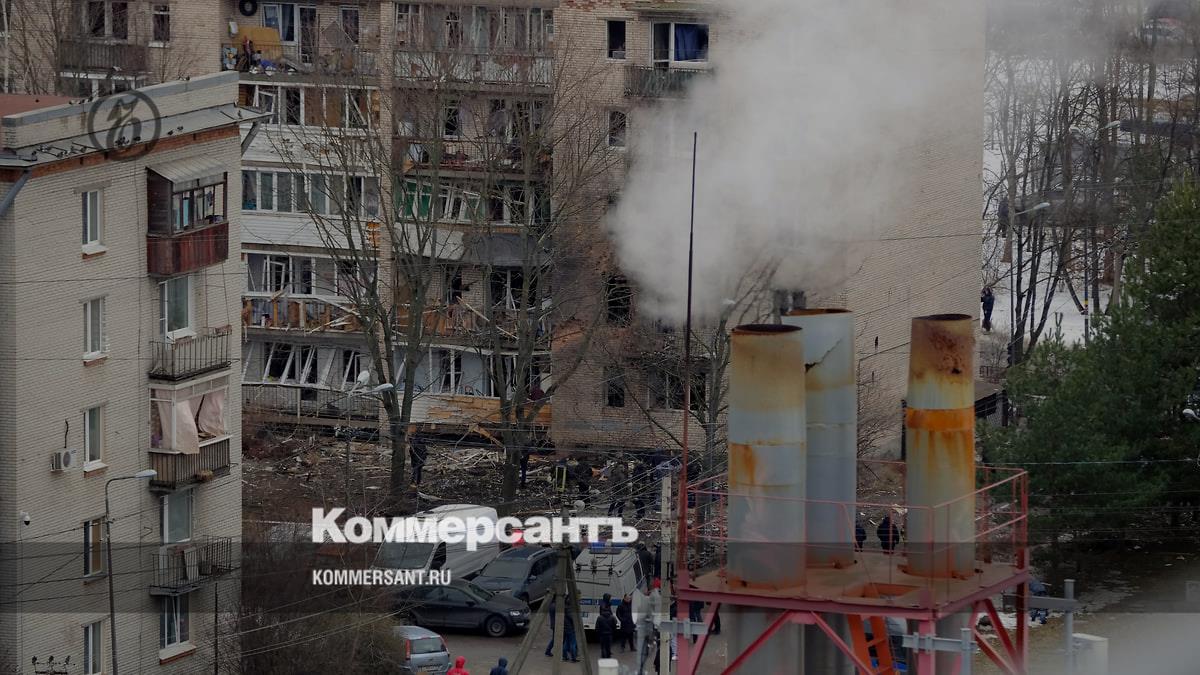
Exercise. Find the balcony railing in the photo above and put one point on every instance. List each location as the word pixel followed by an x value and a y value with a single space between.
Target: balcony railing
pixel 289 313
pixel 102 54
pixel 462 320
pixel 182 568
pixel 508 69
pixel 181 358
pixel 188 251
pixel 178 469
pixel 652 82
pixel 300 401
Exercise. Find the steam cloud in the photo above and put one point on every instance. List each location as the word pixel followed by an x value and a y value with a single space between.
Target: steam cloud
pixel 807 130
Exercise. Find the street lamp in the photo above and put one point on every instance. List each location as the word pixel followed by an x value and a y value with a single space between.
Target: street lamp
pixel 112 596
pixel 373 392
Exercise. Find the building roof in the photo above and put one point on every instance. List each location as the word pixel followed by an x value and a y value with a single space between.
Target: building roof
pixel 14 104
pixel 190 169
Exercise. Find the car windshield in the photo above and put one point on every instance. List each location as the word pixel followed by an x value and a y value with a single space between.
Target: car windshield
pixel 476 590
pixel 403 555
pixel 428 645
pixel 506 569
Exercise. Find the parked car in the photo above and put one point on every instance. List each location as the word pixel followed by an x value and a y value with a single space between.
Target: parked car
pixel 461 604
pixel 425 651
pixel 527 573
pixel 456 557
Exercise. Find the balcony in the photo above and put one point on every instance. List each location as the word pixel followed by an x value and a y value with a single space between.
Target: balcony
pixel 179 359
pixel 177 470
pixel 464 67
pixel 304 314
pixel 169 255
pixel 652 82
pixel 294 58
pixel 182 568
pixel 299 401
pixel 102 54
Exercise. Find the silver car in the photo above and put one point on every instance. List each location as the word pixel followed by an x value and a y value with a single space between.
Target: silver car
pixel 425 651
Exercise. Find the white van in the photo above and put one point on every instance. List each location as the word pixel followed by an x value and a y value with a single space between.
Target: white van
pixel 605 568
pixel 462 563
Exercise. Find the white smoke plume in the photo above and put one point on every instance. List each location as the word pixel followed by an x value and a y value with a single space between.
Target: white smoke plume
pixel 806 130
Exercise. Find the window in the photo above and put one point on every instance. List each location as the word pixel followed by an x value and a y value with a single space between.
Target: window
pixel 162 23
pixel 452 37
pixel 91 218
pixel 95 338
pixel 119 12
pixel 451 119
pixel 175 311
pixel 408 24
pixel 176 512
pixel 282 17
pixel 93 547
pixel 616 39
pixel 617 123
pixel 200 205
pixel 173 627
pixel 93 648
pixel 614 388
pixel 7 16
pixel 450 373
pixel 290 363
pixel 350 23
pixel 358 108
pixel 666 390
pixel 293 105
pixel 93 434
pixel 454 285
pixel 96 25
pixel 507 287
pixel 680 43
pixel 618 299
pixel 353 363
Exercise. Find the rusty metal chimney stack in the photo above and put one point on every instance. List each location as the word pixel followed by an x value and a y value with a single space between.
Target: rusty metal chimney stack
pixel 767 474
pixel 831 406
pixel 940 431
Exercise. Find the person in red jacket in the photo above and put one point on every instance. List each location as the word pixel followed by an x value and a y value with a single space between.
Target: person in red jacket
pixel 460 667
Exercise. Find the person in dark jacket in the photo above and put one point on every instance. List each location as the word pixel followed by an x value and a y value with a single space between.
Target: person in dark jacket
pixel 524 466
pixel 606 627
pixel 625 616
pixel 553 611
pixel 860 535
pixel 617 488
pixel 570 645
pixel 888 533
pixel 501 668
pixel 988 299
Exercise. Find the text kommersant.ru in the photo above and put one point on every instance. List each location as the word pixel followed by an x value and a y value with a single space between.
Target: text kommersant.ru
pixel 473 530
pixel 381 577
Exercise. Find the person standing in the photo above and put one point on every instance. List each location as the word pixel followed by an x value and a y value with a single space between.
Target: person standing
pixel 553 611
pixel 625 616
pixel 500 668
pixel 606 627
pixel 460 667
pixel 417 452
pixel 988 299
pixel 617 488
pixel 570 645
pixel 888 533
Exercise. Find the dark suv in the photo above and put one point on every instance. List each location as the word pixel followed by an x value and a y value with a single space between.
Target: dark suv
pixel 526 573
pixel 461 604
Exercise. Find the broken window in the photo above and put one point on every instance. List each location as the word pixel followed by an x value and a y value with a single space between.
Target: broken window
pixel 353 363
pixel 408 24
pixel 614 388
pixel 617 123
pixel 454 285
pixel 288 363
pixel 618 298
pixel 666 390
pixel 350 23
pixel 450 371
pixel 616 39
pixel 452 119
pixel 182 420
pixel 507 287
pixel 453 35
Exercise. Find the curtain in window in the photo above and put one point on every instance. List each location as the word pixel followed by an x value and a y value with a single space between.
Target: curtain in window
pixel 179 432
pixel 691 42
pixel 210 418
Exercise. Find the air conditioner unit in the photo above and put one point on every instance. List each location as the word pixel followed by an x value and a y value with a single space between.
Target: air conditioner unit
pixel 61 460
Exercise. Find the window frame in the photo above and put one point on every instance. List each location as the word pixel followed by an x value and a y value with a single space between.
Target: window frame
pixel 92 216
pixel 609 24
pixel 671 60
pixel 410 16
pixel 93 438
pixel 95 337
pixel 93 648
pixel 615 392
pixel 166 522
pixel 343 13
pixel 93 548
pixel 160 9
pixel 175 613
pixel 164 308
pixel 618 129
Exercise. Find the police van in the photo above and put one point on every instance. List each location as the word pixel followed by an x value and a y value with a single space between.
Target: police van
pixel 605 567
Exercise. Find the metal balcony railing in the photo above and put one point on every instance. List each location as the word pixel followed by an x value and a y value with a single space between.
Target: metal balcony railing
pixel 654 82
pixel 177 469
pixel 179 359
pixel 103 54
pixel 184 567
pixel 477 68
pixel 300 401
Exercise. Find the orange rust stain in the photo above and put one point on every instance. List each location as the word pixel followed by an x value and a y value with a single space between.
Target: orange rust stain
pixel 942 348
pixel 743 464
pixel 959 419
pixel 738 582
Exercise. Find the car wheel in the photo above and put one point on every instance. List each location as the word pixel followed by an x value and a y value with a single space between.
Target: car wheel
pixel 495 626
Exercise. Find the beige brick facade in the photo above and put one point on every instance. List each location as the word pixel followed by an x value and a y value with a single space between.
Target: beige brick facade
pixel 46 384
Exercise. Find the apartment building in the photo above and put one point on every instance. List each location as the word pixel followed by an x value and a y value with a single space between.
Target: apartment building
pixel 120 433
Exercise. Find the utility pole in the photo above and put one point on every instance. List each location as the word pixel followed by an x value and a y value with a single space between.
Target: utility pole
pixel 668 566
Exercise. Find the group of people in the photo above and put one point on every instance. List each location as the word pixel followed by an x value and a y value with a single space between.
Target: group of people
pixel 888 532
pixel 460 667
pixel 610 625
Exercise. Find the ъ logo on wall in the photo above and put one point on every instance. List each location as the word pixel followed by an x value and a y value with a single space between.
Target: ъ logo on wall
pixel 125 125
